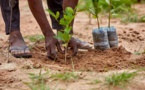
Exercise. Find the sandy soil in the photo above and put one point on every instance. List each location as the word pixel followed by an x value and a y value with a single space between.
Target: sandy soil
pixel 92 64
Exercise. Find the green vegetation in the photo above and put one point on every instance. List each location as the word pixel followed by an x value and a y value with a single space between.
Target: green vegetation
pixel 35 38
pixel 91 6
pixel 66 76
pixel 38 82
pixel 133 18
pixel 66 21
pixel 120 79
pixel 118 8
pixel 96 81
pixel 64 35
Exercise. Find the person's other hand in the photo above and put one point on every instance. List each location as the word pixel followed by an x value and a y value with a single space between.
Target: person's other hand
pixel 74 45
pixel 51 44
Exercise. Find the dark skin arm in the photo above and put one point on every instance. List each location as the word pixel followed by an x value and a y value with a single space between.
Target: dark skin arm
pixel 39 14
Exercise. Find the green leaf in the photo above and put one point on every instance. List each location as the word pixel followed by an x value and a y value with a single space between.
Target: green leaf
pixel 108 2
pixel 60 36
pixel 67 17
pixel 63 22
pixel 98 11
pixel 51 13
pixel 69 11
pixel 57 15
pixel 66 37
pixel 68 29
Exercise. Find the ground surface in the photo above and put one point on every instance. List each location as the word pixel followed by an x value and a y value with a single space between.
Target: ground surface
pixel 92 64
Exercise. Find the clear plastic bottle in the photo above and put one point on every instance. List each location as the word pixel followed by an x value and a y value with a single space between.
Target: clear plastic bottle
pixel 100 38
pixel 112 37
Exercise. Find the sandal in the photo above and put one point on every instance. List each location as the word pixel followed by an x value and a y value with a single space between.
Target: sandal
pixel 20 52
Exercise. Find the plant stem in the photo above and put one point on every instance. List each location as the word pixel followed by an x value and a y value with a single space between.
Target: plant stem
pixel 73 69
pixel 109 18
pixel 65 54
pixel 98 22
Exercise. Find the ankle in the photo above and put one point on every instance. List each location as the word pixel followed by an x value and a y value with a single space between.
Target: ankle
pixel 15 36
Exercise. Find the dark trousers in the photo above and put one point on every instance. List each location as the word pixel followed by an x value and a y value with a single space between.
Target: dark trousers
pixel 6 11
pixel 54 5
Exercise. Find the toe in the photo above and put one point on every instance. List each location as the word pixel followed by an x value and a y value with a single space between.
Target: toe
pixel 14 52
pixel 27 51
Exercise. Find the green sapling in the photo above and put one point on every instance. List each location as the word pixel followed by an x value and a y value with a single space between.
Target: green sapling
pixel 96 11
pixel 112 35
pixel 64 35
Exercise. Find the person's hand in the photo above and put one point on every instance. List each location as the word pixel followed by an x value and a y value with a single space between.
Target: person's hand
pixel 51 44
pixel 74 45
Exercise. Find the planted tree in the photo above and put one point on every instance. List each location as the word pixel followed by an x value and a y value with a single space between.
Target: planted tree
pixel 64 35
pixel 111 30
pixel 100 36
pixel 96 11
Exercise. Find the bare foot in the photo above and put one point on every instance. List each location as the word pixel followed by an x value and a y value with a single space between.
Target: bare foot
pixel 18 47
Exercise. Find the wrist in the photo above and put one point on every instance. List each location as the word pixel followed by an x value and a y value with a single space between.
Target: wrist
pixel 49 34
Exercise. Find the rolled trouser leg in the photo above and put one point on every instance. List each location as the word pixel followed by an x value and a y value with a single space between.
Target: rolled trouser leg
pixel 54 6
pixel 6 13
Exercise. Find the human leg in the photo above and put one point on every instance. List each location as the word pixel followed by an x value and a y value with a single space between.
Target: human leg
pixel 17 44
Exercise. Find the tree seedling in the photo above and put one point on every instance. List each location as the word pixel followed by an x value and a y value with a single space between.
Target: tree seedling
pixel 85 6
pixel 100 36
pixel 111 30
pixel 91 6
pixel 64 35
pixel 38 82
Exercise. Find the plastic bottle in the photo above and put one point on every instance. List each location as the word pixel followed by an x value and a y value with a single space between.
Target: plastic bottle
pixel 112 37
pixel 100 38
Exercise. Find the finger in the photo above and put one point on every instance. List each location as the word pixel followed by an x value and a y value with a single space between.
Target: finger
pixel 53 52
pixel 59 48
pixel 48 53
pixel 75 50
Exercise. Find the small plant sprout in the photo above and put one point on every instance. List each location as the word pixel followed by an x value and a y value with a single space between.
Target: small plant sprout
pixel 66 76
pixel 65 35
pixel 38 82
pixel 35 38
pixel 65 21
pixel 119 79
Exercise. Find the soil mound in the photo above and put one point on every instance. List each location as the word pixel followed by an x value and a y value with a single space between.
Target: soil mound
pixel 92 60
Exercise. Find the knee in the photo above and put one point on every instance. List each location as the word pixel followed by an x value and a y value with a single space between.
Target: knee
pixel 70 3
